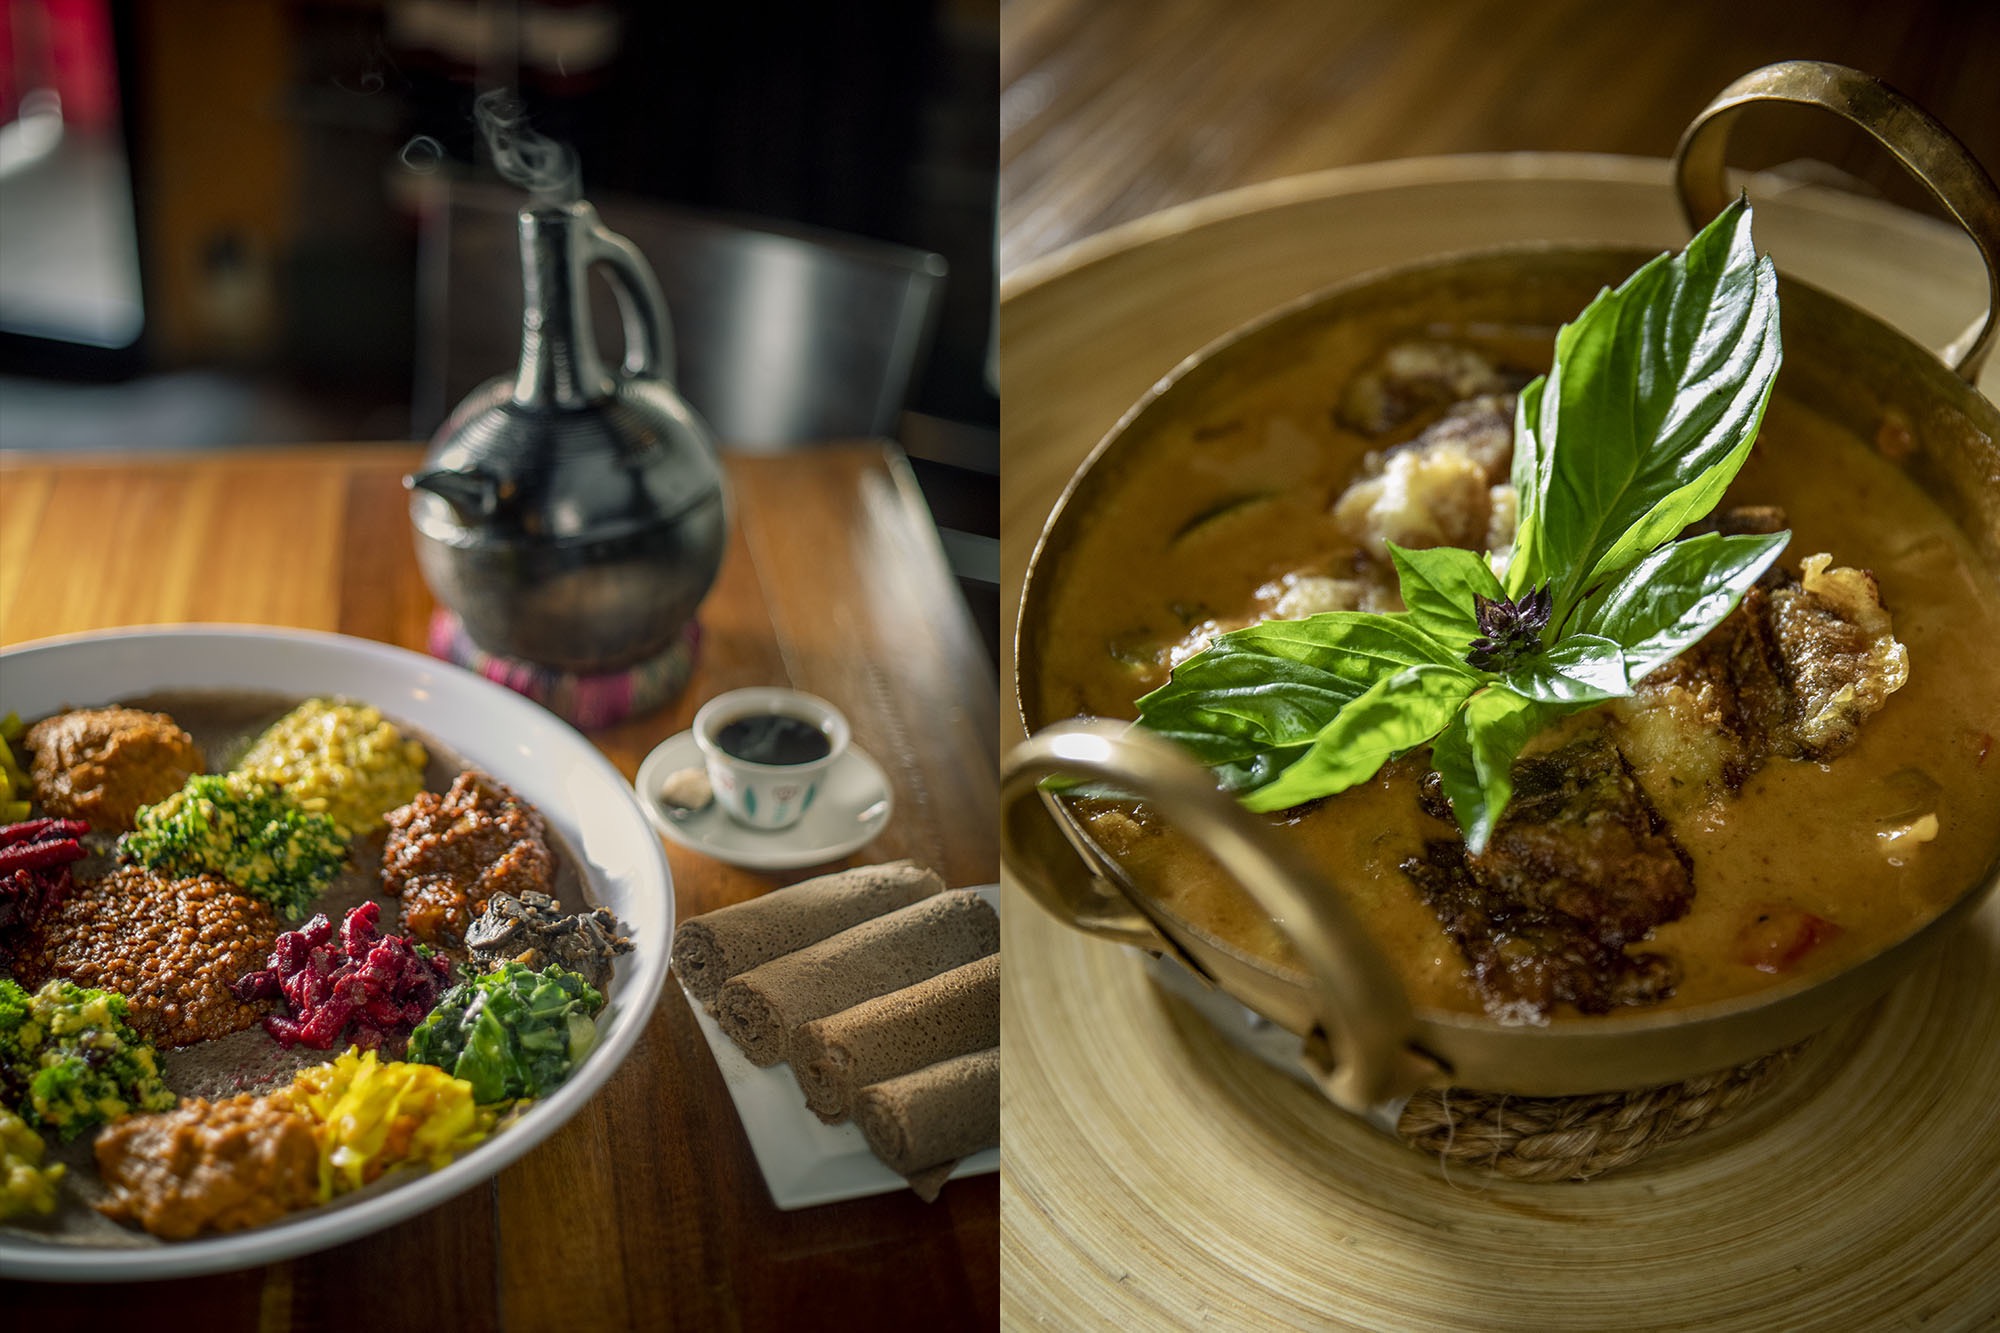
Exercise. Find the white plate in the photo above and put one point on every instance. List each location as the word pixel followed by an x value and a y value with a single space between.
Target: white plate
pixel 532 751
pixel 805 1161
pixel 827 832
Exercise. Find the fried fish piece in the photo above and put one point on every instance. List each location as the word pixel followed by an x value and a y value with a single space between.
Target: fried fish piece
pixel 1446 487
pixel 1793 672
pixel 1584 864
pixel 1840 655
pixel 1580 867
pixel 1413 377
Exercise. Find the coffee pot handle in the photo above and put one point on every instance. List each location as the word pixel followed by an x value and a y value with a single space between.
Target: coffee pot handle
pixel 649 332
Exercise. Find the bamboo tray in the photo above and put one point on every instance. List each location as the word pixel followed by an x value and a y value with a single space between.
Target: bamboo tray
pixel 1156 1176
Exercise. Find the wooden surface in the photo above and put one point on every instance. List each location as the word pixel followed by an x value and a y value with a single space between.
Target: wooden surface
pixel 1157 1177
pixel 1114 109
pixel 646 1210
pixel 1154 1177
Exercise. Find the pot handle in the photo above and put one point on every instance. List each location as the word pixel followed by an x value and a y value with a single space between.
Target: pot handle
pixel 1931 152
pixel 649 331
pixel 1359 1051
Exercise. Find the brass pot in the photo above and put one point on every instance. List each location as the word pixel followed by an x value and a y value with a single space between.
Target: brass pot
pixel 1363 1041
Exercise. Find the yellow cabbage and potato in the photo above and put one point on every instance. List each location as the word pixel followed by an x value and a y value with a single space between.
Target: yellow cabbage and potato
pixel 345 761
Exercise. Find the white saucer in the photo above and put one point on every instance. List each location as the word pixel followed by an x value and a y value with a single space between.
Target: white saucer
pixel 828 831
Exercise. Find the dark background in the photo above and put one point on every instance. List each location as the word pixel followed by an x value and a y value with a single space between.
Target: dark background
pixel 277 230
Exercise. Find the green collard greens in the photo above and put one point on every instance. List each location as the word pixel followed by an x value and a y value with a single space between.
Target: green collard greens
pixel 1647 413
pixel 514 1032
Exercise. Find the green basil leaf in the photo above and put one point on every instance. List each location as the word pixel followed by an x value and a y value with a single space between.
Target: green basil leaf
pixel 1579 668
pixel 1647 413
pixel 1438 584
pixel 1663 605
pixel 1281 681
pixel 1661 385
pixel 1396 714
pixel 1258 769
pixel 1530 476
pixel 1475 756
pixel 1255 699
pixel 1226 706
pixel 1356 645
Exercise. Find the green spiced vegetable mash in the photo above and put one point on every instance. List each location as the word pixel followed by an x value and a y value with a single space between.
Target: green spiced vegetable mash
pixel 68 1060
pixel 246 831
pixel 514 1032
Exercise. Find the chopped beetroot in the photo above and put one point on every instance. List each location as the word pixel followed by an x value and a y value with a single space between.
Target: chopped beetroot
pixel 34 873
pixel 369 989
pixel 42 830
pixel 28 895
pixel 40 855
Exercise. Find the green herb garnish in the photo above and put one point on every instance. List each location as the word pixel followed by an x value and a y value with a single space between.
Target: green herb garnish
pixel 1646 415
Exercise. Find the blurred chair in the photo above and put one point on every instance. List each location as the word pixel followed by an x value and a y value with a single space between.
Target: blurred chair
pixel 782 337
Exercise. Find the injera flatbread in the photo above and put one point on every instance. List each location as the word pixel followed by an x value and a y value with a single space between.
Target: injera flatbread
pixel 935 1115
pixel 953 1013
pixel 711 948
pixel 760 1009
pixel 928 1182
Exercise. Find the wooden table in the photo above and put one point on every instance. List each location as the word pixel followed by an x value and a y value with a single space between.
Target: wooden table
pixel 646 1210
pixel 1113 109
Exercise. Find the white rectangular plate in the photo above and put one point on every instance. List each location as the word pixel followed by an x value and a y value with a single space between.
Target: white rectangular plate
pixel 805 1162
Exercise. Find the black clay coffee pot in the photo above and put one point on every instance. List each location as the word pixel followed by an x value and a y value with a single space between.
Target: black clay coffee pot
pixel 574 516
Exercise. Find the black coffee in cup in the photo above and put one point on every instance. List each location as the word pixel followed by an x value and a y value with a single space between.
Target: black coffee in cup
pixel 773 738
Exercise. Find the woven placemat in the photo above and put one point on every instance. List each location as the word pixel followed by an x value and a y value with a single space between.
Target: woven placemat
pixel 584 701
pixel 1578 1138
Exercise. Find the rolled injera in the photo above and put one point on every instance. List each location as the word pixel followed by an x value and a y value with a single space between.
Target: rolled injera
pixel 760 1009
pixel 952 1013
pixel 933 1115
pixel 711 948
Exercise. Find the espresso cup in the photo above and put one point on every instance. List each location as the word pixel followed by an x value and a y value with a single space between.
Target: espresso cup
pixel 767 795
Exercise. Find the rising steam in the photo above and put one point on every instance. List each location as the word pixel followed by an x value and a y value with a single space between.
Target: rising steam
pixel 423 155
pixel 535 162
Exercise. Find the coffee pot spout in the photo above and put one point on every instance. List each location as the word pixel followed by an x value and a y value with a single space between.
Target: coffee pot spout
pixel 473 496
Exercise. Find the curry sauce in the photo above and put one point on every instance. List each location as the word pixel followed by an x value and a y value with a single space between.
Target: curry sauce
pixel 1200 530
